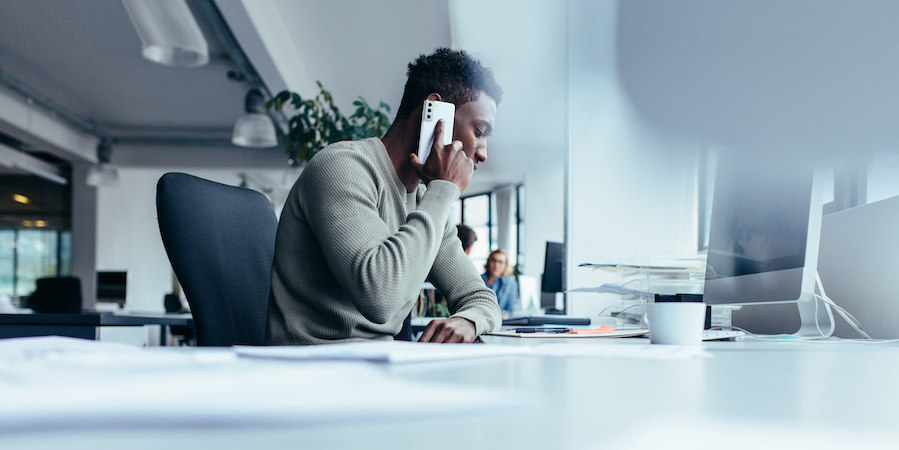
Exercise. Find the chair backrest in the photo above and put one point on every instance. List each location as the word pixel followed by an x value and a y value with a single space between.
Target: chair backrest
pixel 221 241
pixel 56 295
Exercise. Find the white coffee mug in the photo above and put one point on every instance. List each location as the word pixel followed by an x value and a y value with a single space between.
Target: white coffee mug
pixel 678 323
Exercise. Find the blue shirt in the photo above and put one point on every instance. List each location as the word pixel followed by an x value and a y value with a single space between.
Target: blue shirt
pixel 506 289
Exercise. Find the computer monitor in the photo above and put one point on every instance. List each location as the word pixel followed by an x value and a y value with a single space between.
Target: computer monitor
pixel 763 245
pixel 553 273
pixel 112 287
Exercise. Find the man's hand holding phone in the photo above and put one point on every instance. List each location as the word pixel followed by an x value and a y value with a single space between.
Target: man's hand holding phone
pixel 448 163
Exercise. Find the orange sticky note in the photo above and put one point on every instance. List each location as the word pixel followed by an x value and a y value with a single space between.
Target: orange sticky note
pixel 605 329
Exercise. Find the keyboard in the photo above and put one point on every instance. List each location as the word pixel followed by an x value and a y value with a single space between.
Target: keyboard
pixel 712 335
pixel 550 319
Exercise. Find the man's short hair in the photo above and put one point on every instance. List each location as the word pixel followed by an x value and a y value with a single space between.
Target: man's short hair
pixel 453 74
pixel 466 235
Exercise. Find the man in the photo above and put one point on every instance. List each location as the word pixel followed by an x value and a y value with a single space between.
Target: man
pixel 467 236
pixel 359 233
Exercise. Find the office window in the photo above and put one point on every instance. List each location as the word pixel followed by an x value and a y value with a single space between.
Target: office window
pixel 35 241
pixel 481 213
pixel 854 183
pixel 29 254
pixel 7 261
pixel 36 257
pixel 476 214
pixel 708 162
pixel 883 177
pixel 456 212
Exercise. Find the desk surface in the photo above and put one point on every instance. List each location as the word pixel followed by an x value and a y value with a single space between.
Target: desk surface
pixel 755 394
pixel 96 319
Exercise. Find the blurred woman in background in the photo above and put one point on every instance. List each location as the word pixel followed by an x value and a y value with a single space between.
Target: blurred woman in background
pixel 497 275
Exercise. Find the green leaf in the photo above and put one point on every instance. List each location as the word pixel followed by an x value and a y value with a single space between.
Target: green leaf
pixel 318 122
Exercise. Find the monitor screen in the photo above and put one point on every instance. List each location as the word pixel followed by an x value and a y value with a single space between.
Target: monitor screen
pixel 112 287
pixel 763 240
pixel 553 267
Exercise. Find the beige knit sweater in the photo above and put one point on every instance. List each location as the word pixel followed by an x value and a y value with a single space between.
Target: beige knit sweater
pixel 353 249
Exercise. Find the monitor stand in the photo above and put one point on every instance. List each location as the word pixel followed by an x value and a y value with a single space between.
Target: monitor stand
pixel 797 318
pixel 815 316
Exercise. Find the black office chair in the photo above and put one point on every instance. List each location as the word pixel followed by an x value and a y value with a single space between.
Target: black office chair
pixel 221 241
pixel 56 295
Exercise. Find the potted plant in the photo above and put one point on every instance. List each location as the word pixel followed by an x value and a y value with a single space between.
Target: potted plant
pixel 318 122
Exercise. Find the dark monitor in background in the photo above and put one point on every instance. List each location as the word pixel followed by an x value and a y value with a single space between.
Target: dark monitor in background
pixel 553 269
pixel 112 287
pixel 763 245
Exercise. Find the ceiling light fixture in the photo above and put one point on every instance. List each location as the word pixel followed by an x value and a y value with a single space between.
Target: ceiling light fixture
pixel 40 173
pixel 20 198
pixel 169 32
pixel 254 128
pixel 103 174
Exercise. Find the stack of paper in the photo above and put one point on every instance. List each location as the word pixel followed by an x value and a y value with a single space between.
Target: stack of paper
pixel 382 351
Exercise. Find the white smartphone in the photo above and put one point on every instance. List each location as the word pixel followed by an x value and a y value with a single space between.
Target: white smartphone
pixel 431 112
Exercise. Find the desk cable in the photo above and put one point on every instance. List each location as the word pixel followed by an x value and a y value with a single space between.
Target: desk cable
pixel 828 304
pixel 842 312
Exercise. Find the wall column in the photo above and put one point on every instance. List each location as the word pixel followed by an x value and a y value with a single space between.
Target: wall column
pixel 84 234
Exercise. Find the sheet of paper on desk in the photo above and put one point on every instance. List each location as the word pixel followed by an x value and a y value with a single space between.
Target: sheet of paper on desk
pixel 612 288
pixel 664 352
pixel 52 384
pixel 382 351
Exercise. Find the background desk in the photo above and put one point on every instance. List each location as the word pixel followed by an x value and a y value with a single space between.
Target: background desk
pixel 747 395
pixel 85 325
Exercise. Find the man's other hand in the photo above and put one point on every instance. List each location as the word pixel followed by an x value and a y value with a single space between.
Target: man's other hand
pixel 455 330
pixel 448 163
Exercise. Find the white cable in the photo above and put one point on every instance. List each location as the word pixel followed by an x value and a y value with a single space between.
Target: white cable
pixel 853 322
pixel 840 310
pixel 818 326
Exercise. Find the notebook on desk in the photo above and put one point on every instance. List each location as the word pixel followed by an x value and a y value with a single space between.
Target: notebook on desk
pixel 547 320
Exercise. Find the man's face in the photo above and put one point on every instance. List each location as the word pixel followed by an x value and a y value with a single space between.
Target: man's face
pixel 472 124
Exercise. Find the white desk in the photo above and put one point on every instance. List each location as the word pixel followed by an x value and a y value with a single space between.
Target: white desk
pixel 748 395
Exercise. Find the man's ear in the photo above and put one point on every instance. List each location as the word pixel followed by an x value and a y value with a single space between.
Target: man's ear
pixel 435 96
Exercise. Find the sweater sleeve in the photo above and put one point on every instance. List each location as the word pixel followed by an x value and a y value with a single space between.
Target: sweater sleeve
pixel 379 268
pixel 457 279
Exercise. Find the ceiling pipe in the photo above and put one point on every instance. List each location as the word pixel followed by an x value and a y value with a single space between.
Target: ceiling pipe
pixel 46 102
pixel 93 129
